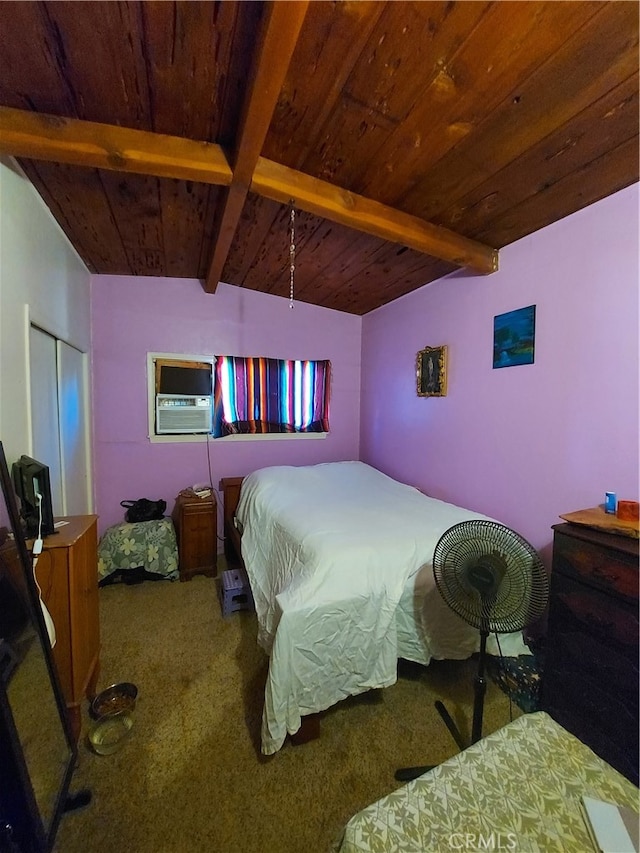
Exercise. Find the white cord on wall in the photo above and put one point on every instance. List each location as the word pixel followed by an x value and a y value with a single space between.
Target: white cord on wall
pixel 37 550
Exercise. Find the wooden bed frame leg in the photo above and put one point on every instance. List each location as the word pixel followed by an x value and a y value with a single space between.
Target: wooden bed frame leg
pixel 309 730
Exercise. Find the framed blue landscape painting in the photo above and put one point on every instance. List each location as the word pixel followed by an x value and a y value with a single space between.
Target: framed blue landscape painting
pixel 514 337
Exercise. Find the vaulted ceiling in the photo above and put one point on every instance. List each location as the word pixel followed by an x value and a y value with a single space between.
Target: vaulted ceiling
pixel 171 138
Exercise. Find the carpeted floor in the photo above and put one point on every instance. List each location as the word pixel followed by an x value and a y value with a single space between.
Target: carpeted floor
pixel 191 778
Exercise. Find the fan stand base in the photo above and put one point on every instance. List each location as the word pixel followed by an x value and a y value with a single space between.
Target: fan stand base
pixel 407 774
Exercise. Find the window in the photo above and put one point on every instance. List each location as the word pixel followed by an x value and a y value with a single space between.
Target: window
pixel 269 395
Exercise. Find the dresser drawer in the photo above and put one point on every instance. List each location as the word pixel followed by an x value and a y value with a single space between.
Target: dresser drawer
pixel 577 693
pixel 621 752
pixel 580 608
pixel 588 699
pixel 613 572
pixel 598 666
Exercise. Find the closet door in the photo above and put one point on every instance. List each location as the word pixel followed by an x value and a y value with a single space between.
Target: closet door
pixel 59 420
pixel 74 447
pixel 44 410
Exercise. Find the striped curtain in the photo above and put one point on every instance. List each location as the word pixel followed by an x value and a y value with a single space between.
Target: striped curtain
pixel 258 395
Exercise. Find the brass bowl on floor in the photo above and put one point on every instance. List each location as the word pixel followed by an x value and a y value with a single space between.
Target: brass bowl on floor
pixel 114 700
pixel 108 734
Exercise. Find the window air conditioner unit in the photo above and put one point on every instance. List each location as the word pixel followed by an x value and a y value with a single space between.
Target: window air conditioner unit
pixel 182 413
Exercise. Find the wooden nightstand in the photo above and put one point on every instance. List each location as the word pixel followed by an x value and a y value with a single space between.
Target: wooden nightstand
pixel 195 521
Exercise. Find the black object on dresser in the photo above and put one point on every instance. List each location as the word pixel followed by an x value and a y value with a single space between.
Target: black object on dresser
pixel 590 680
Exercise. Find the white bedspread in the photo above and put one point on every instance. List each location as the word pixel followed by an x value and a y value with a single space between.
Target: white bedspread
pixel 328 549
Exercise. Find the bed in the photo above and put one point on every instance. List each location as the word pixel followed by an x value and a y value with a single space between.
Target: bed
pixel 518 789
pixel 338 557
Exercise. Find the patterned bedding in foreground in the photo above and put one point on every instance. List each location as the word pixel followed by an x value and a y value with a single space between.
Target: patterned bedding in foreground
pixel 518 789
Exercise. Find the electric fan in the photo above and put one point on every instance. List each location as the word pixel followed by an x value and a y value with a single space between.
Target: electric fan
pixel 494 580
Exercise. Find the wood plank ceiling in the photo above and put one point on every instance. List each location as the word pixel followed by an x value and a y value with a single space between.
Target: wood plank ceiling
pixel 414 138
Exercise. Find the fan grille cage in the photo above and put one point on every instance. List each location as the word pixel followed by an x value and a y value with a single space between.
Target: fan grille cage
pixel 490 576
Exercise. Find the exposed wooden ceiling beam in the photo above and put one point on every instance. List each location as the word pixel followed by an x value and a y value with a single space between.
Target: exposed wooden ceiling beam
pixel 39 136
pixel 279 183
pixel 80 143
pixel 280 32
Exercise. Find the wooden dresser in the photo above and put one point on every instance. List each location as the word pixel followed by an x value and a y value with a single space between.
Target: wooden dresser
pixel 196 524
pixel 590 680
pixel 67 573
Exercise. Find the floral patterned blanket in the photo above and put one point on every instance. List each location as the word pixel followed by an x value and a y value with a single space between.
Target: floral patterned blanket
pixel 518 789
pixel 150 545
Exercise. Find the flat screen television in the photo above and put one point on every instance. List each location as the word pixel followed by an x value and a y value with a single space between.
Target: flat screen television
pixel 33 487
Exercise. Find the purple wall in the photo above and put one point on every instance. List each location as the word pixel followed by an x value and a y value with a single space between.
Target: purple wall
pixel 132 316
pixel 526 443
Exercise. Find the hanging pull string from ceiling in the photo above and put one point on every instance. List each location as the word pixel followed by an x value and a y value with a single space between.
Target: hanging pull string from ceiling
pixel 292 251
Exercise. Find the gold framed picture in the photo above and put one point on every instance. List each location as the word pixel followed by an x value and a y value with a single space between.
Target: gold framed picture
pixel 431 372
